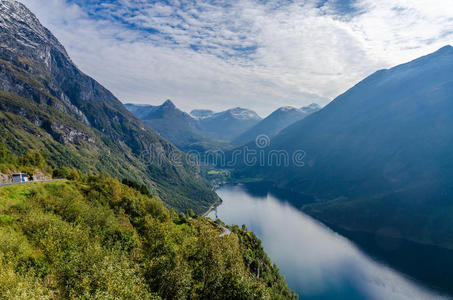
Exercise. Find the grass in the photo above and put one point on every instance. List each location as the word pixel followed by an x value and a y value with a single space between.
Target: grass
pixel 17 194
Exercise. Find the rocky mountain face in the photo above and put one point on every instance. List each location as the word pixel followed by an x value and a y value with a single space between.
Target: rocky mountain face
pixel 275 122
pixel 47 103
pixel 380 155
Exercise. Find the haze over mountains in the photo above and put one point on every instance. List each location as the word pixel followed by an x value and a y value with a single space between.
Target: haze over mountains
pixel 175 125
pixel 380 155
pixel 276 121
pixel 47 103
pixel 205 129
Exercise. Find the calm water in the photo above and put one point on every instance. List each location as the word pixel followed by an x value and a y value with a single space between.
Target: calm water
pixel 317 262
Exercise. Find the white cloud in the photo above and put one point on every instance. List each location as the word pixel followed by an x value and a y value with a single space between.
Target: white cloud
pixel 298 53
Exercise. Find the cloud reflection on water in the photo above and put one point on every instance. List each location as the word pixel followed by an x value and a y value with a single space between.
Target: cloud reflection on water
pixel 317 262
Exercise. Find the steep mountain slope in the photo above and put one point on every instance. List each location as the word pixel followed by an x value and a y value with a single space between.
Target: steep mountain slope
pixel 175 125
pixel 229 124
pixel 276 121
pixel 380 156
pixel 47 103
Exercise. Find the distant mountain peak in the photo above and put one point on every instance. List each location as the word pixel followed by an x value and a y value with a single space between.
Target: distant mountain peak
pixel 313 105
pixel 242 113
pixel 312 108
pixel 168 104
pixel 275 122
pixel 201 113
pixel 287 108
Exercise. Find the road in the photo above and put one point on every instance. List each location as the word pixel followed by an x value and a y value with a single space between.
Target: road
pixel 35 181
pixel 225 232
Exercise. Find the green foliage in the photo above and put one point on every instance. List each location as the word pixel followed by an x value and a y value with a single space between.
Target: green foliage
pixel 29 162
pixel 25 125
pixel 6 157
pixel 97 238
pixel 190 213
pixel 64 172
pixel 260 265
pixel 33 159
pixel 135 185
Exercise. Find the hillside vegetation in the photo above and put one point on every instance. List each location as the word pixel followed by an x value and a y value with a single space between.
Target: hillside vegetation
pixel 47 104
pixel 97 238
pixel 26 125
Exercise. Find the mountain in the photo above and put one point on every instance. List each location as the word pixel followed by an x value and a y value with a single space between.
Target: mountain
pixel 229 124
pixel 202 130
pixel 312 108
pixel 140 110
pixel 166 119
pixel 276 121
pixel 175 125
pixel 379 158
pixel 48 104
pixel 201 113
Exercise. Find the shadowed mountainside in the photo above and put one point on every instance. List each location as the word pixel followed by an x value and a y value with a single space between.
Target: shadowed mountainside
pixel 379 158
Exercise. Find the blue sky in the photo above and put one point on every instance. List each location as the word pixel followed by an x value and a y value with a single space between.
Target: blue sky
pixel 259 54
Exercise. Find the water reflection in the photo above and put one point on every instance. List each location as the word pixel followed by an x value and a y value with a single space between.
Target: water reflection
pixel 317 262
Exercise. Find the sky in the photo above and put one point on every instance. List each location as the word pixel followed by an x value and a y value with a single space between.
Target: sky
pixel 257 54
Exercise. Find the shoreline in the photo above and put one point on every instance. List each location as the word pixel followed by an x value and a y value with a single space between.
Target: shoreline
pixel 212 207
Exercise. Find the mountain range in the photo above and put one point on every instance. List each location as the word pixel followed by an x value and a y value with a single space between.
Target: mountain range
pixel 202 130
pixel 175 125
pixel 48 104
pixel 275 122
pixel 99 228
pixel 379 158
pixel 207 130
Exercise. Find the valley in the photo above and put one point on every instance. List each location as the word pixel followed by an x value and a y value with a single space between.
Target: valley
pixel 233 175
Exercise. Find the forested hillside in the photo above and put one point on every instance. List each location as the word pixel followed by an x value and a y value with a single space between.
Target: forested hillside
pixel 93 237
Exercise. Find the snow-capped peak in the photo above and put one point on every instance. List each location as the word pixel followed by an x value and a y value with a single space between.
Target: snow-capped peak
pixel 243 114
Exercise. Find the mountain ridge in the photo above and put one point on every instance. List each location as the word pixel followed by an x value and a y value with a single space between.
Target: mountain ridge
pixel 276 121
pixel 380 152
pixel 207 130
pixel 90 127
